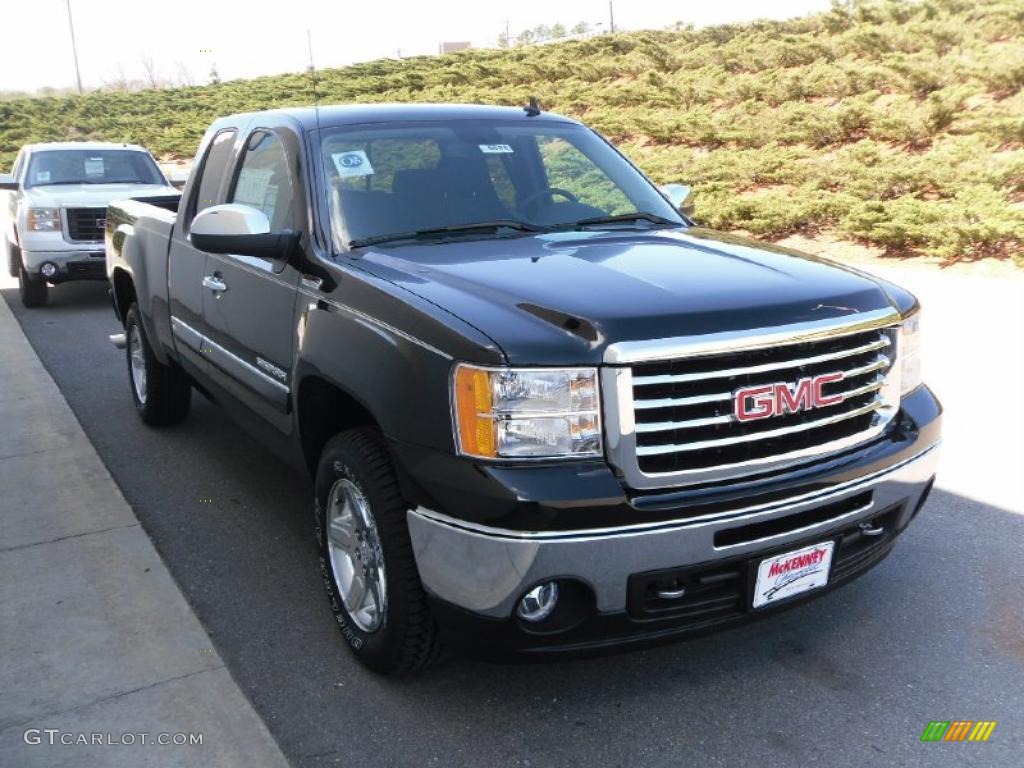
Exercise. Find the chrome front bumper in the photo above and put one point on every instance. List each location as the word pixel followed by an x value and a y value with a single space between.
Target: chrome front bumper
pixel 486 570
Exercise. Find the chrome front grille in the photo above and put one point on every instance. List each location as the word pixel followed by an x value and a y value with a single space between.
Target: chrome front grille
pixel 676 415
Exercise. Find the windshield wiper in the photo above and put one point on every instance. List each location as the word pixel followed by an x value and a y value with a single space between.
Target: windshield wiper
pixel 425 234
pixel 622 218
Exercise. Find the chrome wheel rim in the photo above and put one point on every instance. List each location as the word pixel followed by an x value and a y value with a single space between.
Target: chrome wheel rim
pixel 356 557
pixel 138 362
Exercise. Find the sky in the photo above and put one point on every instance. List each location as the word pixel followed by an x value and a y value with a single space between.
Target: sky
pixel 182 39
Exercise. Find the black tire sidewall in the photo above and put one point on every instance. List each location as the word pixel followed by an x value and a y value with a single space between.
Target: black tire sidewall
pixel 380 650
pixel 132 318
pixel 33 291
pixel 168 388
pixel 13 254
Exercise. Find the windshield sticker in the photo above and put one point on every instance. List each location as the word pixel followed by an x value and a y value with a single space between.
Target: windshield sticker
pixel 353 163
pixel 94 166
pixel 496 149
pixel 42 177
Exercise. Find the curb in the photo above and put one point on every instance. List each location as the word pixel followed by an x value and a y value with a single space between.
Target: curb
pixel 99 644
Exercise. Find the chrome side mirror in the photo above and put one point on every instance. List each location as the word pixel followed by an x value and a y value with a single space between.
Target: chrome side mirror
pixel 681 197
pixel 243 230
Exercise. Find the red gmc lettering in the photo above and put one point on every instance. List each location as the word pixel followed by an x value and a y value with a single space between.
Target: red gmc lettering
pixel 792 402
pixel 768 400
pixel 819 384
pixel 754 403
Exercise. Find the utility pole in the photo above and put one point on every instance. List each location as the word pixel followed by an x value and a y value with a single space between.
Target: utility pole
pixel 611 18
pixel 74 48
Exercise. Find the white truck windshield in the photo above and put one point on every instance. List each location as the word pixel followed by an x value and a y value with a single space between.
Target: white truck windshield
pixel 91 166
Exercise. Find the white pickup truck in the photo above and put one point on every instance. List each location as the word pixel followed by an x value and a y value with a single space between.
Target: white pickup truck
pixel 52 220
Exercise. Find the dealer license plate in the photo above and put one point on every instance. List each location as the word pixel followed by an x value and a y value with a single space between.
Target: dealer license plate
pixel 793 573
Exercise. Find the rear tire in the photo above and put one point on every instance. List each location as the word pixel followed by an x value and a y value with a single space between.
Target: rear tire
pixel 162 394
pixel 390 630
pixel 33 290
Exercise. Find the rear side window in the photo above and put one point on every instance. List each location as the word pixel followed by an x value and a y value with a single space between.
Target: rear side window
pixel 212 172
pixel 263 181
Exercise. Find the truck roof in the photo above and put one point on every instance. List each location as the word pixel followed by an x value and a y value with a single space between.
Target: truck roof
pixel 83 145
pixel 353 114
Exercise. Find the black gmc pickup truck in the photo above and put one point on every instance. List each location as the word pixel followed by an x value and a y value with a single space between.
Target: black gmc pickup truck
pixel 544 412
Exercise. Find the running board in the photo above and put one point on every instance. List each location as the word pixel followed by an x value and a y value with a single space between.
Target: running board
pixel 118 340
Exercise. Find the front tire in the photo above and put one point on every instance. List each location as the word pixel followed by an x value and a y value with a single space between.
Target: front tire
pixel 366 557
pixel 33 290
pixel 13 259
pixel 162 394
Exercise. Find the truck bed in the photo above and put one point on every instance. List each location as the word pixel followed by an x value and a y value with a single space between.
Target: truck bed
pixel 137 241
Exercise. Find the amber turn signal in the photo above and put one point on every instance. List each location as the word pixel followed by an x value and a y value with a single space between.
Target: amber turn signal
pixel 474 407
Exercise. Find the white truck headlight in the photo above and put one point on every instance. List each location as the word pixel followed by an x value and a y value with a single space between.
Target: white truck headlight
pixel 526 413
pixel 908 349
pixel 44 219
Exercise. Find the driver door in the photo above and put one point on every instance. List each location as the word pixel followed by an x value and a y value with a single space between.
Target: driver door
pixel 248 301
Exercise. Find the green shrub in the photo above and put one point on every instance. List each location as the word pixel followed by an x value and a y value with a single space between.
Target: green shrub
pixel 900 124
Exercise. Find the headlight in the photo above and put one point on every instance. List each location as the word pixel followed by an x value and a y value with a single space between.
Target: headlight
pixel 526 412
pixel 909 351
pixel 44 219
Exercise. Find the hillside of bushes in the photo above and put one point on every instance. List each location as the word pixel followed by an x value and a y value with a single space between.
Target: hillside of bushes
pixel 895 124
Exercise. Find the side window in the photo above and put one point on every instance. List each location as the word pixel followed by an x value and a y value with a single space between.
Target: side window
pixel 213 168
pixel 264 181
pixel 569 169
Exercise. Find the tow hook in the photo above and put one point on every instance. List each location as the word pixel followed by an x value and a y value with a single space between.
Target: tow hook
pixel 870 529
pixel 118 340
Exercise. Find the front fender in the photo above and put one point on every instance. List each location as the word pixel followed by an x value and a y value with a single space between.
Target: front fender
pixel 399 379
pixel 390 350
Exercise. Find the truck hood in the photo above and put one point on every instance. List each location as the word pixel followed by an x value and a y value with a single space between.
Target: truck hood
pixel 561 298
pixel 90 195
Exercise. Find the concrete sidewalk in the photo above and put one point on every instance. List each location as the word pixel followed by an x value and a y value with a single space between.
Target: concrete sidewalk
pixel 95 636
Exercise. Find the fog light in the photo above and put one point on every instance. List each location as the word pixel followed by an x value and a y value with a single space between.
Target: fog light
pixel 539 602
pixel 49 269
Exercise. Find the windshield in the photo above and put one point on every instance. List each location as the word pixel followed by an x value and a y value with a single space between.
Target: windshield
pixel 92 166
pixel 391 182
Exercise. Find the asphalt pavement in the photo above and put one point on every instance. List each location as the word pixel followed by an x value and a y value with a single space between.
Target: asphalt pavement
pixel 936 632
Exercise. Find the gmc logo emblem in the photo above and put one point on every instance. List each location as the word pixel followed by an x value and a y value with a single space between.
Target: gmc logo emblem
pixel 767 400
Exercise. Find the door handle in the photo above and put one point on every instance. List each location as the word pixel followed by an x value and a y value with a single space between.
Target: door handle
pixel 214 283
